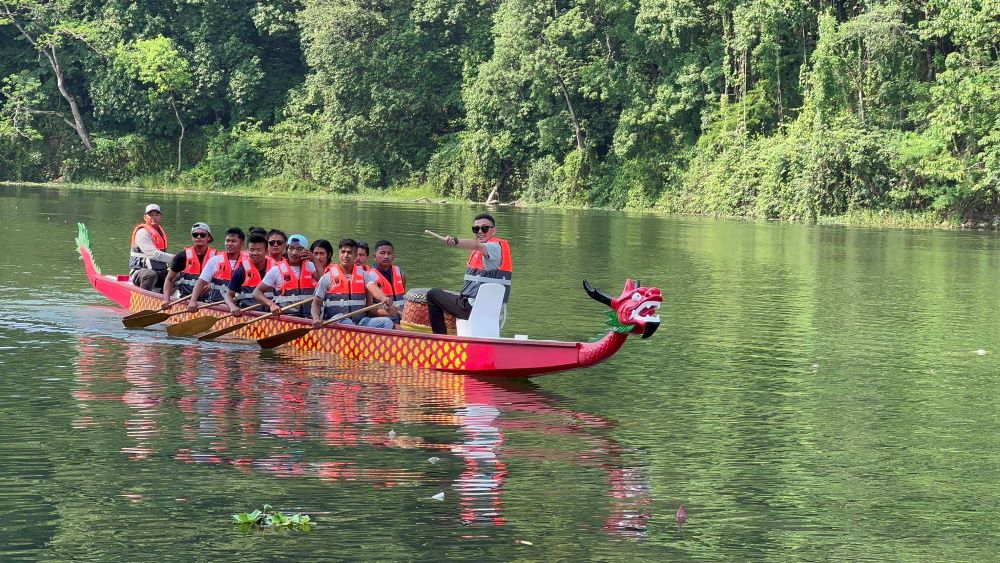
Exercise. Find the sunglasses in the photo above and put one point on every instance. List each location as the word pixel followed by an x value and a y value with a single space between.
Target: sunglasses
pixel 480 228
pixel 275 242
pixel 199 235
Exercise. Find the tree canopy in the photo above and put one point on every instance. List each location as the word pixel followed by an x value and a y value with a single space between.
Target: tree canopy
pixel 761 108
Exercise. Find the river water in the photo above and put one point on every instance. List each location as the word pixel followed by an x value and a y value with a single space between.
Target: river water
pixel 812 393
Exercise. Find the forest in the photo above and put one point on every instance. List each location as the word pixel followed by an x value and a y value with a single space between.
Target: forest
pixel 768 109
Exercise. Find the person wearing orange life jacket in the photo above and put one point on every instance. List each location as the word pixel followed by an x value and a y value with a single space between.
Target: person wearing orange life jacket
pixel 248 275
pixel 148 258
pixel 385 282
pixel 187 264
pixel 489 262
pixel 290 280
pixel 342 290
pixel 217 272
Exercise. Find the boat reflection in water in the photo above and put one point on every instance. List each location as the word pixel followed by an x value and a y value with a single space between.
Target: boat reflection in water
pixel 293 415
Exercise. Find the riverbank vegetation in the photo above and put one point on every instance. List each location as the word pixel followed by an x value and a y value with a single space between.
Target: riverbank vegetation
pixel 760 108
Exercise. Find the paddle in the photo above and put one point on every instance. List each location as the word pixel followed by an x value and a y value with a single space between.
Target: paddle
pixel 147 320
pixel 237 326
pixel 147 312
pixel 193 326
pixel 296 333
pixel 433 234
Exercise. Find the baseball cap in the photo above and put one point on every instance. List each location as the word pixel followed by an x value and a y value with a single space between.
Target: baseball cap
pixel 298 240
pixel 199 226
pixel 153 207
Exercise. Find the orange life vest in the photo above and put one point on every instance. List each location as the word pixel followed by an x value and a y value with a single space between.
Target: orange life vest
pixel 223 273
pixel 345 294
pixel 137 258
pixel 293 287
pixel 253 278
pixel 192 269
pixel 397 288
pixel 476 274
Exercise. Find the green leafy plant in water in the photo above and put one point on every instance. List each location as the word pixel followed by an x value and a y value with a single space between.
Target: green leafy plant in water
pixel 616 325
pixel 268 519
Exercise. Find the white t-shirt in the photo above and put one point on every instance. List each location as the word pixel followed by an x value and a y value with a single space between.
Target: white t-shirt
pixel 208 270
pixel 273 277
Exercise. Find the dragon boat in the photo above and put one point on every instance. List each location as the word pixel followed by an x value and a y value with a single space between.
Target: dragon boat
pixel 635 311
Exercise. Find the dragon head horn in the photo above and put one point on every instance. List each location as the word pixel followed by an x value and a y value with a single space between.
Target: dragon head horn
pixel 596 294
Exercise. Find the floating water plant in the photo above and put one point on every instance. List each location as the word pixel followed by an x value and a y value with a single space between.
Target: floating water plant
pixel 268 519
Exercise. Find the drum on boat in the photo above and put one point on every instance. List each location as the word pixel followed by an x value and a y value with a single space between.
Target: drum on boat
pixel 416 316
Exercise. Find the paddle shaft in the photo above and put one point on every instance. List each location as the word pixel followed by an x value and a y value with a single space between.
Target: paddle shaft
pixel 343 316
pixel 285 337
pixel 433 234
pixel 147 312
pixel 199 308
pixel 238 326
pixel 193 326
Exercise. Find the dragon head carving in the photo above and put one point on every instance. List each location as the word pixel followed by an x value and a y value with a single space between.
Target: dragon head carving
pixel 635 311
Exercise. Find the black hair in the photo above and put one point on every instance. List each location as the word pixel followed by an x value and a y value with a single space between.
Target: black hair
pixel 257 231
pixel 486 216
pixel 349 242
pixel 257 238
pixel 236 231
pixel 324 244
pixel 273 232
pixel 383 242
pixel 362 244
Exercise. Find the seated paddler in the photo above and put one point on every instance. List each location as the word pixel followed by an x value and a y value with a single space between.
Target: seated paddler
pixel 187 264
pixel 215 276
pixel 248 275
pixel 291 280
pixel 342 290
pixel 386 283
pixel 489 262
pixel 148 259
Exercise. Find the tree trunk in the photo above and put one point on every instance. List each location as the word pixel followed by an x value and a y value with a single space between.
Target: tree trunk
pixel 79 126
pixel 50 53
pixel 180 139
pixel 572 114
pixel 569 104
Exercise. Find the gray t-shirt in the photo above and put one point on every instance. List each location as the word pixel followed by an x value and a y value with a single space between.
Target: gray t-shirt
pixel 493 256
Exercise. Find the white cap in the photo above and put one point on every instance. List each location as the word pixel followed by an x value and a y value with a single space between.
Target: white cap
pixel 153 207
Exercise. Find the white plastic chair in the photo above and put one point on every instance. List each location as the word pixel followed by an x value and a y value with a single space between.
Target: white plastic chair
pixel 484 321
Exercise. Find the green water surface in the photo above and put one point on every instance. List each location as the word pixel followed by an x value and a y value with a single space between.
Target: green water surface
pixel 813 393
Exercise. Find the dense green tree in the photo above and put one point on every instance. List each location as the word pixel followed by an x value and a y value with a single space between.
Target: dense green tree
pixel 763 108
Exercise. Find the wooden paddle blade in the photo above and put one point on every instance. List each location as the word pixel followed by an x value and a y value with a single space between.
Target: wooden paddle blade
pixel 284 337
pixel 144 313
pixel 145 320
pixel 193 326
pixel 222 331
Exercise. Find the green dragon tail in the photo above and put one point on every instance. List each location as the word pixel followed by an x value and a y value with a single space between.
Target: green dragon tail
pixel 83 241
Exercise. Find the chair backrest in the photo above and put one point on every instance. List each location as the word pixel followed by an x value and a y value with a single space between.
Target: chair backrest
pixel 484 320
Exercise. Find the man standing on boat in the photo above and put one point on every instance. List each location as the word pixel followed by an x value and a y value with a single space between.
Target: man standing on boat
pixel 148 258
pixel 188 263
pixel 489 263
pixel 218 270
